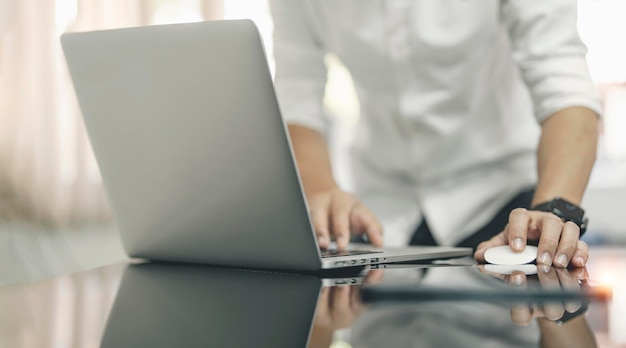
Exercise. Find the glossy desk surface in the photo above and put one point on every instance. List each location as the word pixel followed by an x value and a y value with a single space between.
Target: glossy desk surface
pixel 441 305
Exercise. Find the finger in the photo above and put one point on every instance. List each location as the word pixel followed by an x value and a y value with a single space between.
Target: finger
pixel 341 305
pixel 569 282
pixel 323 307
pixel 567 244
pixel 497 240
pixel 324 301
pixel 553 310
pixel 517 229
pixel 364 218
pixel 374 276
pixel 581 255
pixel 517 279
pixel 340 218
pixel 537 311
pixel 319 218
pixel 483 269
pixel 580 273
pixel 355 299
pixel 551 227
pixel 520 312
pixel 549 280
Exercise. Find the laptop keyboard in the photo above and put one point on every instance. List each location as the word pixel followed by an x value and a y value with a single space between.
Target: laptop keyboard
pixel 335 252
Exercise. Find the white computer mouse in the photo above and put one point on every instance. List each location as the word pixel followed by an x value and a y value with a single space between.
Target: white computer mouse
pixel 503 255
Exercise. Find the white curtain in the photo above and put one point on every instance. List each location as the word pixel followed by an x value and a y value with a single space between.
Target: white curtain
pixel 47 171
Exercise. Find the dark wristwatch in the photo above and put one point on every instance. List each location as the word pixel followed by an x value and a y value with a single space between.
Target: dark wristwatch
pixel 567 316
pixel 567 211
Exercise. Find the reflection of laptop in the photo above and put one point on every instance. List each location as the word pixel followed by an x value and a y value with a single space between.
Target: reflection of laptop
pixel 193 152
pixel 164 305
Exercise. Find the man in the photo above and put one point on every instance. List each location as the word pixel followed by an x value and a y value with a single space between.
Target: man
pixel 471 112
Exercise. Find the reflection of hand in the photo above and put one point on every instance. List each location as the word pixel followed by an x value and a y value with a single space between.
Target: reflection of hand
pixel 576 332
pixel 339 306
pixel 337 213
pixel 549 278
pixel 558 242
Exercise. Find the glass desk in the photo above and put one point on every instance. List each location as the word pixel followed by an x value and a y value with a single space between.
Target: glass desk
pixel 170 305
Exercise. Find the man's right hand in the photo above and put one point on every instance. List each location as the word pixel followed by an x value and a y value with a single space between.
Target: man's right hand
pixel 338 214
pixel 334 213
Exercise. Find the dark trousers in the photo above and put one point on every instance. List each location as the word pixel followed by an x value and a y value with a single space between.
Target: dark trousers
pixel 423 235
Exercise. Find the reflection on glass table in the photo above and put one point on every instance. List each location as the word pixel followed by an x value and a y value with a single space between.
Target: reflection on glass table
pixel 428 306
pixel 171 305
pixel 160 305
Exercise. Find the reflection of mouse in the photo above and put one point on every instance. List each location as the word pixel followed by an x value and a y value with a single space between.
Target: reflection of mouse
pixel 510 269
pixel 503 255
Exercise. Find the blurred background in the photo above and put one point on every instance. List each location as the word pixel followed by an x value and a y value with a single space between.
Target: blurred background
pixel 54 218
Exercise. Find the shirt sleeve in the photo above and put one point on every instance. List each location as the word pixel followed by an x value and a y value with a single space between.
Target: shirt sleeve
pixel 550 54
pixel 300 70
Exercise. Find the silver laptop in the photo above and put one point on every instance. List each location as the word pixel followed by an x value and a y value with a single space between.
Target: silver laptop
pixel 194 154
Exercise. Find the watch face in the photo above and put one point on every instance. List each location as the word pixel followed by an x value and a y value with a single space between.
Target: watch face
pixel 569 210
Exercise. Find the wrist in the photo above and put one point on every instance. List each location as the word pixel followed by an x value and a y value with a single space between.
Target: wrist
pixel 565 210
pixel 313 187
pixel 547 197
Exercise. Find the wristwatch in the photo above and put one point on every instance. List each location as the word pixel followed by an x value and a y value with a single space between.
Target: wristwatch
pixel 567 211
pixel 584 306
pixel 567 316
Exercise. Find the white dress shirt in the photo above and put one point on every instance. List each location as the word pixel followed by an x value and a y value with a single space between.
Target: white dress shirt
pixel 451 91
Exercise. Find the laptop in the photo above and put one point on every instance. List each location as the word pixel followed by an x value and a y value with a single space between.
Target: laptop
pixel 193 152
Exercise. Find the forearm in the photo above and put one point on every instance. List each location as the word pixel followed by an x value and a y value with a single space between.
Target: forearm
pixel 566 154
pixel 575 333
pixel 313 160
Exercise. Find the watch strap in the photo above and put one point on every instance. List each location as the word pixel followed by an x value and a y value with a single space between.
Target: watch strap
pixel 565 210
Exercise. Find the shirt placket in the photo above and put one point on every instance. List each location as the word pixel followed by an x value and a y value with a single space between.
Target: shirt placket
pixel 399 53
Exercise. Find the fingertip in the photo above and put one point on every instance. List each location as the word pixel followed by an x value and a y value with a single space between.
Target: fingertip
pixel 521 315
pixel 479 255
pixel 374 276
pixel 325 291
pixel 342 241
pixel 544 268
pixel 377 243
pixel 342 237
pixel 376 239
pixel 322 238
pixel 579 261
pixel 518 279
pixel 371 226
pixel 517 244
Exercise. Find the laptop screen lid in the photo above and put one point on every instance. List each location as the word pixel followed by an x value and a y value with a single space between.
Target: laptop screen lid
pixel 193 152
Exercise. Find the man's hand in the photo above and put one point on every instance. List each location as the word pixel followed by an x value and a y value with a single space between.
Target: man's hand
pixel 334 213
pixel 338 213
pixel 558 242
pixel 573 130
